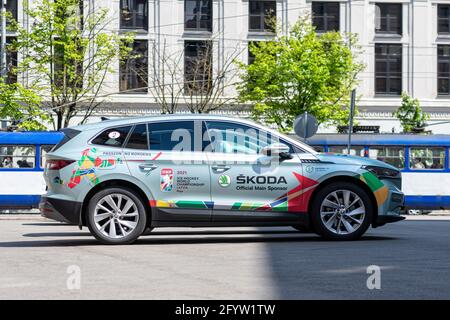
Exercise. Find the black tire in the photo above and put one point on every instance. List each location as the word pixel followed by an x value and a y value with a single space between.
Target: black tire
pixel 141 217
pixel 319 225
pixel 303 229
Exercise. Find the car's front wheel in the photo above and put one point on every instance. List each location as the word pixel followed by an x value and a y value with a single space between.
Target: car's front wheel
pixel 341 211
pixel 116 216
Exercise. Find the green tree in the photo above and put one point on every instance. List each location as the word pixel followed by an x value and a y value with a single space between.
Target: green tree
pixel 67 53
pixel 410 114
pixel 22 106
pixel 303 71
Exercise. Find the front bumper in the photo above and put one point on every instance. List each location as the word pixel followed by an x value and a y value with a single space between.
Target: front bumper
pixel 60 210
pixel 390 210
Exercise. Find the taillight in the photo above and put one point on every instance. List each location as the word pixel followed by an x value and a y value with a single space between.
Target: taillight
pixel 58 164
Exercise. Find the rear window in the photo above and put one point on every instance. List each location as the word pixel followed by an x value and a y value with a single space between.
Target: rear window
pixel 15 157
pixel 112 137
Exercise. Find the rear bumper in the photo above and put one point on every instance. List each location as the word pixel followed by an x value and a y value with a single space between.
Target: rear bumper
pixel 60 210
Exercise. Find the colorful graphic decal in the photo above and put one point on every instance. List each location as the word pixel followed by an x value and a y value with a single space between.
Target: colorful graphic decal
pixel 379 189
pixel 87 166
pixel 184 204
pixel 295 200
pixel 166 181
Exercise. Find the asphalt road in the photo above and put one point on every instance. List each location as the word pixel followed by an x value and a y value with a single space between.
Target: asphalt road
pixel 235 263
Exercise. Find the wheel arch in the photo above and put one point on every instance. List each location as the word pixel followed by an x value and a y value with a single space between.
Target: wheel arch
pixel 115 183
pixel 350 179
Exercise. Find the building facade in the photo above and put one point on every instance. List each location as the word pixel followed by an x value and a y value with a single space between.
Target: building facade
pixel 405 44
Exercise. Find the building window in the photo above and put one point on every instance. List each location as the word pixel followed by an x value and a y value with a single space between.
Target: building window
pixel 198 15
pixel 197 67
pixel 134 14
pixel 134 69
pixel 388 69
pixel 325 16
pixel 443 19
pixel 251 56
pixel 444 69
pixel 388 18
pixel 262 15
pixel 11 6
pixel 11 61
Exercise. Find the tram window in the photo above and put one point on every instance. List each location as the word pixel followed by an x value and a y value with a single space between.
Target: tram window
pixel 13 157
pixel 395 156
pixel 44 150
pixel 427 158
pixel 319 148
pixel 354 150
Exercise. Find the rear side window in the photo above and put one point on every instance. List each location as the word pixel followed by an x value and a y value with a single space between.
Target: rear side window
pixel 426 158
pixel 354 150
pixel 138 138
pixel 44 150
pixel 395 156
pixel 14 157
pixel 112 137
pixel 172 136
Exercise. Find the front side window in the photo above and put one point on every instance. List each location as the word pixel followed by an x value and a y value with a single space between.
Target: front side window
pixel 388 69
pixel 394 156
pixel 15 157
pixel 262 15
pixel 325 16
pixel 443 69
pixel 354 150
pixel 112 137
pixel 171 136
pixel 426 158
pixel 443 19
pixel 138 138
pixel 234 138
pixel 134 69
pixel 134 14
pixel 198 15
pixel 197 67
pixel 388 18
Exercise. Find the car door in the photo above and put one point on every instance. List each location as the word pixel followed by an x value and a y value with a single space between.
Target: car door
pixel 172 167
pixel 247 185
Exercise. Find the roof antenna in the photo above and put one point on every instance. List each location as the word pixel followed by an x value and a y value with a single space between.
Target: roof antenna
pixel 104 118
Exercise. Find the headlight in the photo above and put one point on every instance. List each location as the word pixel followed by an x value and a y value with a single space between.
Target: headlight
pixel 382 172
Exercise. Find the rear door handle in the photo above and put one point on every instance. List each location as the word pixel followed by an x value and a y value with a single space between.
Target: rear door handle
pixel 220 169
pixel 147 167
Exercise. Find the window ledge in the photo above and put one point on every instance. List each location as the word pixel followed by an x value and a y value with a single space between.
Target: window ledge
pixel 197 34
pixel 387 36
pixel 137 31
pixel 387 96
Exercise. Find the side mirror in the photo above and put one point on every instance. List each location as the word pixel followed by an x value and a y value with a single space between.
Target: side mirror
pixel 277 150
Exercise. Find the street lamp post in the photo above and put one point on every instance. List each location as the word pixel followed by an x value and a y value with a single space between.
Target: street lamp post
pixel 3 39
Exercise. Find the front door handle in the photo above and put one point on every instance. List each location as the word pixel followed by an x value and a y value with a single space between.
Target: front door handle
pixel 220 169
pixel 147 167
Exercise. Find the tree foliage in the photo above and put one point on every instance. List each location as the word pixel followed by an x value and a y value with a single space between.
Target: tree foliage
pixel 67 52
pixel 410 114
pixel 21 106
pixel 303 71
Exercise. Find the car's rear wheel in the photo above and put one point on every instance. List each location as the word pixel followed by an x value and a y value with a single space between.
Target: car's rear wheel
pixel 116 216
pixel 341 211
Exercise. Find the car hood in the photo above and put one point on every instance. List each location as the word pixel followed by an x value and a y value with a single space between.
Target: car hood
pixel 352 160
